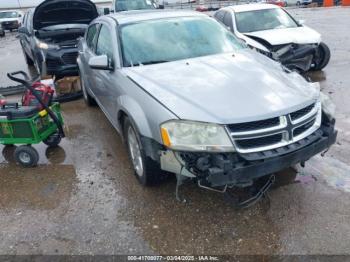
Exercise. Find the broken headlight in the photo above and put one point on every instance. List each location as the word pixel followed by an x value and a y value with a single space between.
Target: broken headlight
pixel 195 136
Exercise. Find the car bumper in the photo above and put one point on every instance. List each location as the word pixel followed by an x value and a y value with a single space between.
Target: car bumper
pixel 10 26
pixel 216 170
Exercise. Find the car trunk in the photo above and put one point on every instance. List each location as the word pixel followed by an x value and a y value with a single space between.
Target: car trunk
pixel 59 12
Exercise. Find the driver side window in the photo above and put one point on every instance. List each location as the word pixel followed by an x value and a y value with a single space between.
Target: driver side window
pixel 104 43
pixel 91 36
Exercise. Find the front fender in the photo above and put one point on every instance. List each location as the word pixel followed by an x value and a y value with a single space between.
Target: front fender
pixel 133 110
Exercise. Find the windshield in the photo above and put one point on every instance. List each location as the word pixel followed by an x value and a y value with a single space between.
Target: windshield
pixel 265 19
pixel 8 15
pixel 126 5
pixel 174 39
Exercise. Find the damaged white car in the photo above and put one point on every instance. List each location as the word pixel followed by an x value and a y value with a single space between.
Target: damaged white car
pixel 271 30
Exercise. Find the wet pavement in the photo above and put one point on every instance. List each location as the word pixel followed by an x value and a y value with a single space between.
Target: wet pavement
pixel 84 199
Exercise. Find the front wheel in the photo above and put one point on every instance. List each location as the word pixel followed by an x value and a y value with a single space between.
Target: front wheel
pixel 322 57
pixel 27 156
pixel 53 140
pixel 146 170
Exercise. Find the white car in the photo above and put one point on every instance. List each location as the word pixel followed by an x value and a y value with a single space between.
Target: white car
pixel 11 19
pixel 271 30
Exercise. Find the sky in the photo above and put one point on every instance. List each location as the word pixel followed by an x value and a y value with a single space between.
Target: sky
pixel 27 3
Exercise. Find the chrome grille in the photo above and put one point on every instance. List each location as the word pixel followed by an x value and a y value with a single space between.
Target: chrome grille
pixel 259 141
pixel 297 114
pixel 276 132
pixel 249 126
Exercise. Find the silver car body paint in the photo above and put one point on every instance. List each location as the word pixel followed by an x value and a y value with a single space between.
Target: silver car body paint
pixel 225 88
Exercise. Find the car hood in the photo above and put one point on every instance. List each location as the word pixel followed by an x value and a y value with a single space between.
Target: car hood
pixel 57 12
pixel 225 88
pixel 297 35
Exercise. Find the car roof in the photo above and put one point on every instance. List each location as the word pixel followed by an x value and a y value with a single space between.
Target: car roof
pixel 250 7
pixel 144 15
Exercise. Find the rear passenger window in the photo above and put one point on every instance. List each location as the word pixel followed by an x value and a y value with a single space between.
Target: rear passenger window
pixel 91 36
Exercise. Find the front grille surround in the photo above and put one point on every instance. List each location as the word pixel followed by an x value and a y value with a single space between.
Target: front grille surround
pixel 289 131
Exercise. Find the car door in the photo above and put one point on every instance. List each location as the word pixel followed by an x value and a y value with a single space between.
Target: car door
pixel 105 82
pixel 85 53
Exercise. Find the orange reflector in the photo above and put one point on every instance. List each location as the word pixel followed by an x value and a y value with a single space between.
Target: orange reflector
pixel 165 137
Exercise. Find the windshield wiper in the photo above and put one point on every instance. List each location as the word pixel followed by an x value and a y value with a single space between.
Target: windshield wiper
pixel 153 62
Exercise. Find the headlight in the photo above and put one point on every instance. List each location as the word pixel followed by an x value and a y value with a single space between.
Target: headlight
pixel 195 136
pixel 45 46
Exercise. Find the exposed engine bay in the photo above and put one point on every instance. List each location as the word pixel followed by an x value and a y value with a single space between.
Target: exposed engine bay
pixel 299 57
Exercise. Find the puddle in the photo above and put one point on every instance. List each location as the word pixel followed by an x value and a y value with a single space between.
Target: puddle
pixel 334 172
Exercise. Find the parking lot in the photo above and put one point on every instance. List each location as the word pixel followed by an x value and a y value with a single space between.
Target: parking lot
pixel 84 199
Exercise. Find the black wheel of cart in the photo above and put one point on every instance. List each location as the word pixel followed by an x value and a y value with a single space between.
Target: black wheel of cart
pixel 53 140
pixel 27 156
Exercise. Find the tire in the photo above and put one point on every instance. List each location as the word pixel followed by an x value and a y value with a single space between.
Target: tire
pixel 8 153
pixel 53 140
pixel 27 156
pixel 146 170
pixel 89 101
pixel 324 55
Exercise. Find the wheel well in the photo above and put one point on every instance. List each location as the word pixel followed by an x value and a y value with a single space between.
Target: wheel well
pixel 121 117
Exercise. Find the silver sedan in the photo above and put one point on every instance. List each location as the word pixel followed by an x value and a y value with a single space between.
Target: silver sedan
pixel 189 98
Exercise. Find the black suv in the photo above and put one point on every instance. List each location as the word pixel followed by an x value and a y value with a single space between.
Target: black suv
pixel 51 32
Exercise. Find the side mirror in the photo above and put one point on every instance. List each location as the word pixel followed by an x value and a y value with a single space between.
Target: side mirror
pixel 23 30
pixel 100 63
pixel 106 11
pixel 19 15
pixel 301 22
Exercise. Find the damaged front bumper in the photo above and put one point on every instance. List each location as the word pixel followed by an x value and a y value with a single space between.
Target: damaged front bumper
pixel 235 169
pixel 295 57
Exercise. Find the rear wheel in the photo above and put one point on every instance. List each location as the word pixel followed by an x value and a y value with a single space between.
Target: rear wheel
pixel 27 156
pixel 146 170
pixel 322 57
